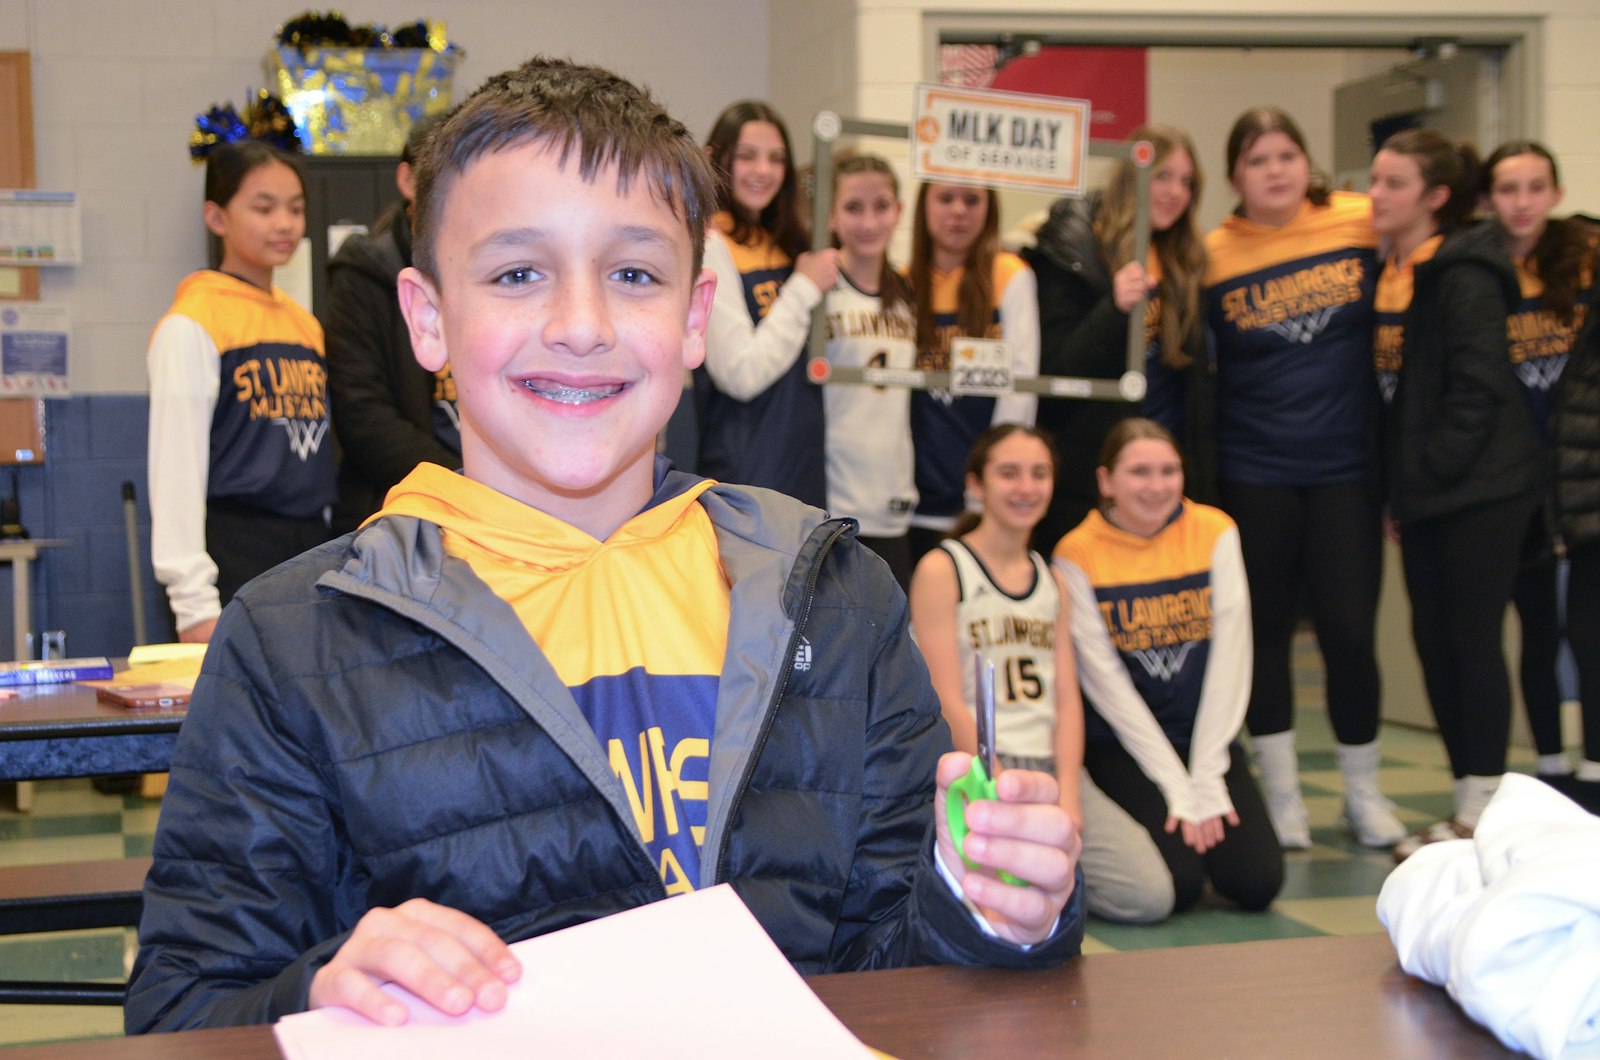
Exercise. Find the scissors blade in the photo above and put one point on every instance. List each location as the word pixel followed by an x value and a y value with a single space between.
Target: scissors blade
pixel 986 748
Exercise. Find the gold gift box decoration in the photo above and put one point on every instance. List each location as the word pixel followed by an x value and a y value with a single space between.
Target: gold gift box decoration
pixel 362 101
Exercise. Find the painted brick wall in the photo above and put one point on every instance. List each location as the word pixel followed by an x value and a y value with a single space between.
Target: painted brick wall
pixel 93 445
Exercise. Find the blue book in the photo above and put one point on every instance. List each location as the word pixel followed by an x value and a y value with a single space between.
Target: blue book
pixel 54 671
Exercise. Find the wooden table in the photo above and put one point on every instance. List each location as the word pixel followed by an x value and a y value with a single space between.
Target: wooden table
pixel 1303 998
pixel 64 731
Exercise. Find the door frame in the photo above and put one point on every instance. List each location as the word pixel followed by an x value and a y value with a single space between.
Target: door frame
pixel 1520 37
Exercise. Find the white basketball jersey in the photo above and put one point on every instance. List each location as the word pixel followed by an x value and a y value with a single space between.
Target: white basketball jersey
pixel 870 461
pixel 1018 635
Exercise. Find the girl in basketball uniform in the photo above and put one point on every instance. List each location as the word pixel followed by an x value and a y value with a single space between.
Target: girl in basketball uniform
pixel 760 420
pixel 1289 287
pixel 1161 622
pixel 241 468
pixel 964 286
pixel 870 325
pixel 1555 259
pixel 982 591
pixel 1466 468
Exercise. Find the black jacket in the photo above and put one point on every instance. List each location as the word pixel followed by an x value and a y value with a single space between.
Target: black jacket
pixel 1462 432
pixel 372 723
pixel 1083 333
pixel 1577 435
pixel 382 400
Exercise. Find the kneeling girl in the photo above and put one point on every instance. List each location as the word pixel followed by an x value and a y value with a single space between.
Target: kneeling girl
pixel 1161 623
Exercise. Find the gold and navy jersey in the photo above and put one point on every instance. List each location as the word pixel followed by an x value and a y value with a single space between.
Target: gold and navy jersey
pixel 762 265
pixel 1290 309
pixel 1389 304
pixel 269 431
pixel 1540 342
pixel 640 657
pixel 1165 393
pixel 1154 596
pixel 446 412
pixel 945 426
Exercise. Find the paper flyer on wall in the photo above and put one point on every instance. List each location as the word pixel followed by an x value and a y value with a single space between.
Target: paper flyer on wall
pixel 40 228
pixel 35 339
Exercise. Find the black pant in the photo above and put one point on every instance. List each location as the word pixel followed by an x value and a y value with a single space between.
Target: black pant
pixel 1246 867
pixel 896 552
pixel 1537 611
pixel 245 541
pixel 921 541
pixel 1322 544
pixel 1460 569
pixel 1583 633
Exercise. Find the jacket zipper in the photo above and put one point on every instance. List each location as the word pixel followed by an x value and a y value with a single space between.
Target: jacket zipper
pixel 777 697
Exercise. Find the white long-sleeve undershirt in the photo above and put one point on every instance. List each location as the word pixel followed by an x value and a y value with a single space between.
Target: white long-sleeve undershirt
pixel 184 384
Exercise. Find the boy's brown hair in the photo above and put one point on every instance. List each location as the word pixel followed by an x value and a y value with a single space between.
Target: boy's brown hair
pixel 603 117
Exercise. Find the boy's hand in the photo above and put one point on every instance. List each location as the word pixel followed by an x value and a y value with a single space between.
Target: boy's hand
pixel 1028 834
pixel 442 955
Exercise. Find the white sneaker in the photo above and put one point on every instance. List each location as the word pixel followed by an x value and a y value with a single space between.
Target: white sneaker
pixel 1370 818
pixel 1289 820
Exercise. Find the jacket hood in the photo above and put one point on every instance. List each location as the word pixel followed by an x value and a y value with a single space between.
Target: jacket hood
pixel 216 284
pixel 1068 240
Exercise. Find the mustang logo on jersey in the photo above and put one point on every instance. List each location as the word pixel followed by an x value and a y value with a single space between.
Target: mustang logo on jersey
pixel 664 799
pixel 1162 630
pixel 1165 663
pixel 288 392
pixel 1140 622
pixel 1536 335
pixel 1297 305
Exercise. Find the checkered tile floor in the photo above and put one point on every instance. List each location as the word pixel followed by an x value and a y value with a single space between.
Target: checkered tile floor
pixel 1330 889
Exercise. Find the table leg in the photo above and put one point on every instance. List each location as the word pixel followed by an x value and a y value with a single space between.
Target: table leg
pixel 21 623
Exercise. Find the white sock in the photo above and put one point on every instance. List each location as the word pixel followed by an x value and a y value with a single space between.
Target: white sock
pixel 1555 765
pixel 1280 766
pixel 1472 795
pixel 1589 771
pixel 1359 764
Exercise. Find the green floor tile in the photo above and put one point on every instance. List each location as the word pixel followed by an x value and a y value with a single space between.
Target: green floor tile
pixel 137 846
pixel 1199 927
pixel 1318 760
pixel 27 826
pixel 1433 806
pixel 79 956
pixel 1334 876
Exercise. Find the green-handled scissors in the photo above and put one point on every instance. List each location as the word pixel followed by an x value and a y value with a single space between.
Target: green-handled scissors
pixel 978 781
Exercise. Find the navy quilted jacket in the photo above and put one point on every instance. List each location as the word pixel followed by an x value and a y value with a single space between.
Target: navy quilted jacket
pixel 373 724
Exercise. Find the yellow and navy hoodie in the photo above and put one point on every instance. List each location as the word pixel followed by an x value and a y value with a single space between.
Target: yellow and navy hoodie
pixel 943 426
pixel 1161 627
pixel 760 418
pixel 1290 309
pixel 640 657
pixel 238 412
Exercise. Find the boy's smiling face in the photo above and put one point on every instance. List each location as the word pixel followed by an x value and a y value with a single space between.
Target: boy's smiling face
pixel 568 312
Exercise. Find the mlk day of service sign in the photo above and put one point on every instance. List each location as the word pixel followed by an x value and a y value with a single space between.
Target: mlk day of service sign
pixel 974 136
